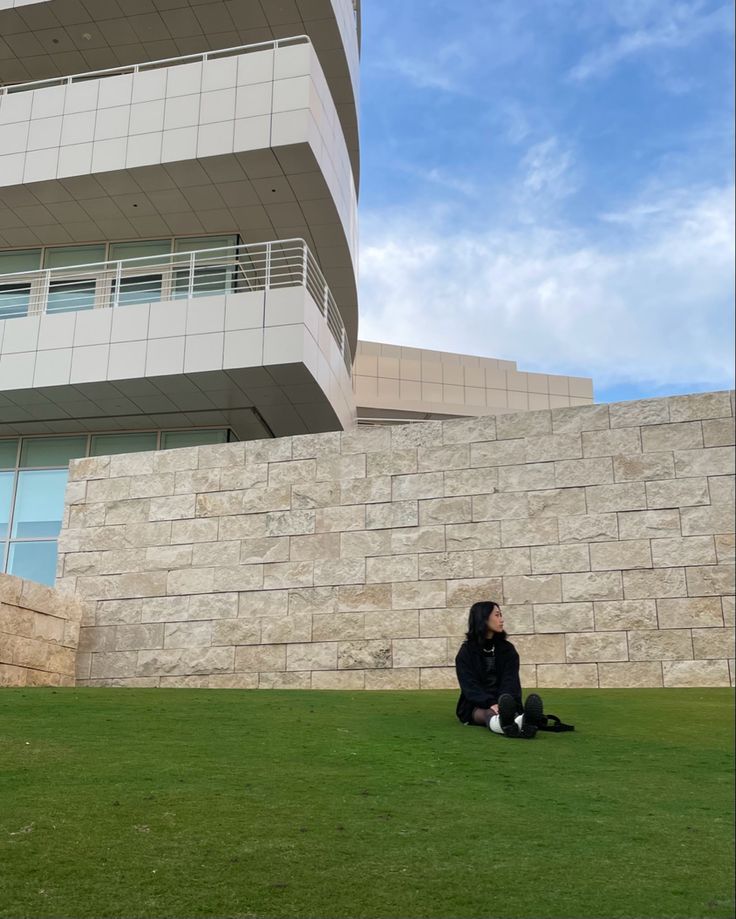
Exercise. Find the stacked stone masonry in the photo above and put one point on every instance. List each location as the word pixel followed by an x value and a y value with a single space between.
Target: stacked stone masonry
pixel 349 560
pixel 39 633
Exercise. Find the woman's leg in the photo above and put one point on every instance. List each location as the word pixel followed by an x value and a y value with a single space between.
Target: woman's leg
pixel 490 718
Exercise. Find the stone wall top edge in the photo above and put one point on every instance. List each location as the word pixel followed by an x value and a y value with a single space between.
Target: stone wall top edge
pixel 40 598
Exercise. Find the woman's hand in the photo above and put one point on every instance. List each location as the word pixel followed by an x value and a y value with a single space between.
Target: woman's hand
pixel 494 709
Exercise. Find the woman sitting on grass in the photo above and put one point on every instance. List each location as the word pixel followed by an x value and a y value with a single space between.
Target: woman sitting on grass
pixel 487 667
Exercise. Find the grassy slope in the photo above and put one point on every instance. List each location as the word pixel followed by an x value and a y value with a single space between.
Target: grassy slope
pixel 206 803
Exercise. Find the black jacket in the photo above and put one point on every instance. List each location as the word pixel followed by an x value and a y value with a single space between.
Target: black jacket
pixel 471 675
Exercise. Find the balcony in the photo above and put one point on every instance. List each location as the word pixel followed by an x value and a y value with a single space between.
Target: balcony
pixel 243 140
pixel 209 336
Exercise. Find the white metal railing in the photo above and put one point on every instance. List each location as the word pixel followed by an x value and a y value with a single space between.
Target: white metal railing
pixel 174 276
pixel 153 65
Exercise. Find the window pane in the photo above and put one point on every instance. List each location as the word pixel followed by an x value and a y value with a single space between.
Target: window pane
pixel 51 451
pixel 104 444
pixel 194 243
pixel 35 561
pixel 66 256
pixel 20 260
pixel 141 288
pixel 72 294
pixel 39 503
pixel 8 453
pixel 6 496
pixel 170 440
pixel 14 300
pixel 139 249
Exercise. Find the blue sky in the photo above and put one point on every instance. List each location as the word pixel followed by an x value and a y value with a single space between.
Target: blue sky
pixel 551 182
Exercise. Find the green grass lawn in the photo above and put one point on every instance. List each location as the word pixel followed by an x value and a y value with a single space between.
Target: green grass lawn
pixel 156 803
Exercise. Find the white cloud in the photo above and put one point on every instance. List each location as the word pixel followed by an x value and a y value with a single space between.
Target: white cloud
pixel 651 304
pixel 547 169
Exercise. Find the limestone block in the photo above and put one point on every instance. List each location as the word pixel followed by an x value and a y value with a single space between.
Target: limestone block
pixel 319 546
pixel 437 678
pixel 278 450
pixel 180 661
pixel 611 443
pixel 364 597
pixel 557 502
pixel 407 540
pixel 540 649
pixel 374 654
pixel 319 494
pixel 191 531
pixel 344 680
pixel 406 679
pixel 531 477
pixel 683 436
pixel 621 555
pixel 709 461
pixel 443 565
pixel 150 609
pixel 481 481
pixel 362 544
pixel 196 481
pixel 291 523
pixel 294 472
pixel 151 486
pixel 75 493
pixel 236 632
pixel 638 675
pixel 104 490
pixel 420 652
pixel 98 638
pixel 467 591
pixel 84 664
pixel 213 606
pixel 725 548
pixel 498 453
pixel 225 579
pixel 680 674
pixel 388 516
pixel 340 571
pixel 395 462
pixel 138 637
pixel 240 478
pixel 700 405
pixel 718 432
pixel 655 584
pixel 308 446
pixel 403 623
pixel 640 412
pixel 714 644
pixel 509 506
pixel 469 430
pixel 310 600
pixel 435 511
pixel 592 585
pixel 266 603
pixel 680 551
pixel 523 424
pixel 12 676
pixel 732 671
pixel 424 434
pixel 547 447
pixel 337 627
pixel 630 496
pixel 123 586
pixel 563 617
pixel 417 594
pixel 316 655
pixel 257 500
pixel 280 575
pixel 256 658
pixel 469 536
pixel 582 647
pixel 114 664
pixel 118 612
pixel 93 467
pixel 17 621
pixel 711 580
pixel 643 467
pixel 180 556
pixel 649 524
pixel 729 611
pixel 532 589
pixel 625 614
pixel 286 629
pixel 265 549
pixel 716 518
pixel 136 510
pixel 668 644
pixel 580 418
pixel 341 468
pixel 375 439
pixel 174 508
pixel 192 581
pixel 518 618
pixel 374 490
pixel 176 460
pixel 229 681
pixel 187 634
pixel 342 519
pixel 528 674
pixel 678 493
pixel 386 569
pixel 139 682
pixel 216 455
pixel 552 559
pixel 440 459
pixel 597 471
pixel 540 531
pixel 501 562
pixel 441 623
pixel 115 561
pixel 567 676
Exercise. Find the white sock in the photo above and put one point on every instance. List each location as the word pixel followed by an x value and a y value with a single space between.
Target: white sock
pixel 519 720
pixel 495 724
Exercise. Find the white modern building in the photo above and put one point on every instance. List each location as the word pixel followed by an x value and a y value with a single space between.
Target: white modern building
pixel 178 245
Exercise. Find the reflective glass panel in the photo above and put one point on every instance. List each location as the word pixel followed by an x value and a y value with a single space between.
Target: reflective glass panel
pixel 67 256
pixel 68 295
pixel 6 496
pixel 141 288
pixel 51 451
pixel 211 276
pixel 104 444
pixel 140 249
pixel 14 300
pixel 20 260
pixel 8 454
pixel 170 440
pixel 39 503
pixel 35 561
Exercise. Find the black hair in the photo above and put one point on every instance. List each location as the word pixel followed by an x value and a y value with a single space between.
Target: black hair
pixel 478 622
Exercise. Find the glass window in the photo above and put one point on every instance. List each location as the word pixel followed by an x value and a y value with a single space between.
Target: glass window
pixel 139 288
pixel 213 274
pixel 69 256
pixel 39 503
pixel 14 300
pixel 170 440
pixel 51 451
pixel 6 496
pixel 140 248
pixel 105 444
pixel 71 294
pixel 35 561
pixel 8 454
pixel 19 260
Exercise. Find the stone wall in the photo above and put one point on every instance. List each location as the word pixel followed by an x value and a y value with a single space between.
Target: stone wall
pixel 349 560
pixel 39 633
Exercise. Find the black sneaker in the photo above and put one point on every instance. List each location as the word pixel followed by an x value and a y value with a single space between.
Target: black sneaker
pixel 534 710
pixel 507 713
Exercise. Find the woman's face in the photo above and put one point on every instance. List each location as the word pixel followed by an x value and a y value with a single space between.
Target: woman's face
pixel 495 623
